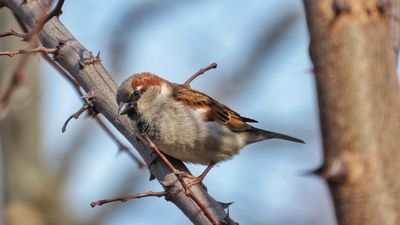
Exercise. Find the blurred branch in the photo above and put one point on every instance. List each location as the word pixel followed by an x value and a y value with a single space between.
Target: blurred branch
pixel 121 146
pixel 93 77
pixel 132 19
pixel 28 51
pixel 24 178
pixel 18 75
pixel 359 101
pixel 261 51
pixel 16 80
pixel 12 32
pixel 42 21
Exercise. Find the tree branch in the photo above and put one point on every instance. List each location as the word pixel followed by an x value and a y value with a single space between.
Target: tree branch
pixel 128 197
pixel 28 51
pixel 200 72
pixel 12 32
pixel 94 77
pixel 359 101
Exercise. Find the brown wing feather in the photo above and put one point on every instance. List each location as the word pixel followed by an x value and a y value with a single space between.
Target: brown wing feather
pixel 216 111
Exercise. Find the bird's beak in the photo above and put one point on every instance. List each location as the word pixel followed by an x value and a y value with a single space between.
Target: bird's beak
pixel 124 108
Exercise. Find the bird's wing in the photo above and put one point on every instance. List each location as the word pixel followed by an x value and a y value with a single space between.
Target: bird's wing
pixel 214 111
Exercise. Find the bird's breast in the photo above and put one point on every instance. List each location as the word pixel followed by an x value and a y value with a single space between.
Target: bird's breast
pixel 180 132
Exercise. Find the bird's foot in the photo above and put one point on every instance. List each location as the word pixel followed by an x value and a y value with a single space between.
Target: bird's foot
pixel 189 179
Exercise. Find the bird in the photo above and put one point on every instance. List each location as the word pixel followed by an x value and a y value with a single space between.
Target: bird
pixel 185 123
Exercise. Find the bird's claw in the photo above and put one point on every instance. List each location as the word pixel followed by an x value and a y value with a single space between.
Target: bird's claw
pixel 190 180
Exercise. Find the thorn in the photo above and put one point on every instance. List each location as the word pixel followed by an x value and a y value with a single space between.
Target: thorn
pixel 225 205
pixel 98 56
pixel 382 5
pixel 81 64
pixel 152 177
pixel 340 6
pixel 89 96
pixel 225 220
pixel 154 160
pixel 335 171
pixel 87 58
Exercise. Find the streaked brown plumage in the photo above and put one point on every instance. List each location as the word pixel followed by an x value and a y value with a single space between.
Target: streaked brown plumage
pixel 187 124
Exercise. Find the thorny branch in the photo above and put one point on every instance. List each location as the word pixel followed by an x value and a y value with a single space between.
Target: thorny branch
pixel 88 105
pixel 105 88
pixel 128 197
pixel 78 89
pixel 198 73
pixel 98 119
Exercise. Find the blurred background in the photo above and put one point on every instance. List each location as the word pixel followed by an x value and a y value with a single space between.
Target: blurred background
pixel 264 72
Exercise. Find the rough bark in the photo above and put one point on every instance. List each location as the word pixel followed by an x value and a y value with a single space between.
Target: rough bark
pixel 393 13
pixel 94 77
pixel 359 101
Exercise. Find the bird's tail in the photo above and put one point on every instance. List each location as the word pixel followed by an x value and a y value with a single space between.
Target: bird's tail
pixel 259 135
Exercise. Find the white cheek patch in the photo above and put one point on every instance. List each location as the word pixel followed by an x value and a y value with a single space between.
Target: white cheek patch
pixel 164 90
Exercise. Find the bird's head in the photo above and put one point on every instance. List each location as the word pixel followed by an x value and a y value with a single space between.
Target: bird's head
pixel 141 89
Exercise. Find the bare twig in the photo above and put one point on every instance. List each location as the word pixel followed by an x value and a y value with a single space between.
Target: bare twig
pixel 12 32
pixel 128 197
pixel 75 116
pixel 198 73
pixel 28 51
pixel 121 146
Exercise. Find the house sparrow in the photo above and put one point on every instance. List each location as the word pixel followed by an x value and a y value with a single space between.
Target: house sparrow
pixel 187 124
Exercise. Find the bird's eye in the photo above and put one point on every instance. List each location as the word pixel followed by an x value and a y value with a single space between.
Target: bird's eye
pixel 137 92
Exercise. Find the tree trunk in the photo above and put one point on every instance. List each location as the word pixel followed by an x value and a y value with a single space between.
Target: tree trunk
pixel 359 101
